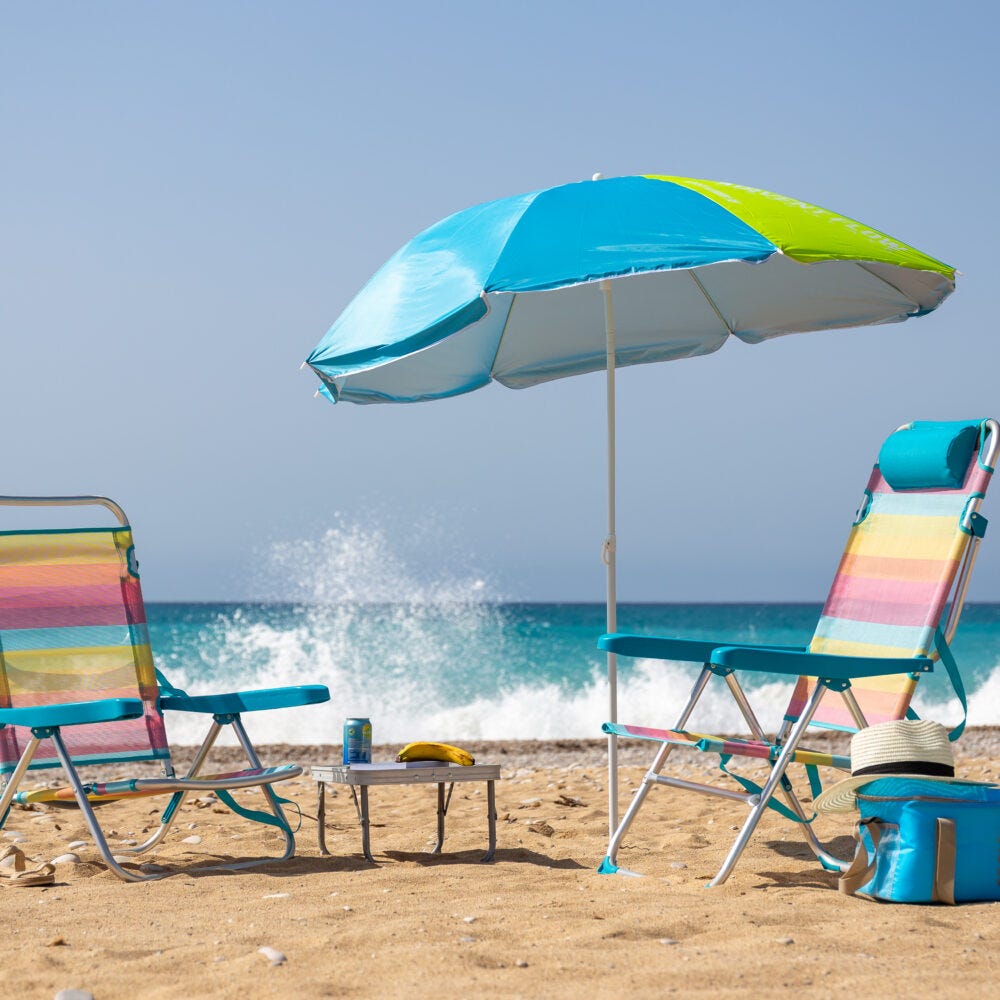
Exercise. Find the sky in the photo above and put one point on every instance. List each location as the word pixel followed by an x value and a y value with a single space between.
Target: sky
pixel 192 192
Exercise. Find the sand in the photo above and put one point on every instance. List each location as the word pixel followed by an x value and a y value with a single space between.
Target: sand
pixel 538 922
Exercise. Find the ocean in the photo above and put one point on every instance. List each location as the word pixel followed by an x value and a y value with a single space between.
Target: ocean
pixel 464 669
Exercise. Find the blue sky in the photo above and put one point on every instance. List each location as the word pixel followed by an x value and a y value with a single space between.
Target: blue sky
pixel 192 193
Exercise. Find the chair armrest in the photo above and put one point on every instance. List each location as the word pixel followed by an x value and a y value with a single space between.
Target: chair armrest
pixel 247 701
pixel 779 661
pixel 72 713
pixel 659 647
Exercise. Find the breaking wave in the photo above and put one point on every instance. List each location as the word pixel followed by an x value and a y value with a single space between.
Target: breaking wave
pixel 429 653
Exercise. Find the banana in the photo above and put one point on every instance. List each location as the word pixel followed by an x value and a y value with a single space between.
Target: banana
pixel 435 751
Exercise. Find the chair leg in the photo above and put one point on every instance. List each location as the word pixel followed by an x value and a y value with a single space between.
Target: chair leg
pixel 272 799
pixel 609 864
pixel 829 861
pixel 10 787
pixel 173 806
pixel 756 729
pixel 269 795
pixel 88 814
pixel 770 786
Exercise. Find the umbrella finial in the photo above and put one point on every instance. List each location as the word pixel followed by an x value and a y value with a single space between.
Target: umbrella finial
pixel 598 177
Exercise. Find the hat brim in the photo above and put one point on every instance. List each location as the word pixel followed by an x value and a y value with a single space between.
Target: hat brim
pixel 842 797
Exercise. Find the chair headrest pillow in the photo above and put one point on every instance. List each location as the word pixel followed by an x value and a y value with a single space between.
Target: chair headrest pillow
pixel 929 454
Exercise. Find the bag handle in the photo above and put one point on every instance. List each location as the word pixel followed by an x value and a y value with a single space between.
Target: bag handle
pixel 862 870
pixel 944 862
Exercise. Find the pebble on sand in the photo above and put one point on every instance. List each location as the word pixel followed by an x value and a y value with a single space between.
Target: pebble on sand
pixel 67 859
pixel 274 956
pixel 540 826
pixel 74 995
pixel 193 839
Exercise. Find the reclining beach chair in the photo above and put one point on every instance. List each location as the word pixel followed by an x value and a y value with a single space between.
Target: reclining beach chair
pixel 78 686
pixel 893 607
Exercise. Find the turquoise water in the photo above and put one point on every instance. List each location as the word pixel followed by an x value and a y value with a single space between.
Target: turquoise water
pixel 473 669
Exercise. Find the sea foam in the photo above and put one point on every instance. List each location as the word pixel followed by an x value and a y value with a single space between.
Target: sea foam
pixel 433 654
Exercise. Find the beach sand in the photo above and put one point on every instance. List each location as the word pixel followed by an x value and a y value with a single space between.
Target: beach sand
pixel 538 922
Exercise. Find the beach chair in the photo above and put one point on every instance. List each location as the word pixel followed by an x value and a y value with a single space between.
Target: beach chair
pixel 891 612
pixel 78 686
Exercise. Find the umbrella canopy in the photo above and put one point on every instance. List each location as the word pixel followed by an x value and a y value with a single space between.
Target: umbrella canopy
pixel 684 246
pixel 512 291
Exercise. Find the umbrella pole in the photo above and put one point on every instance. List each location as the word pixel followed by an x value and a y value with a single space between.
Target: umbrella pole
pixel 608 555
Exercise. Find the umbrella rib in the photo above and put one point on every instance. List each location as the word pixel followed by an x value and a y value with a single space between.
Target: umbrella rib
pixel 886 281
pixel 503 332
pixel 711 302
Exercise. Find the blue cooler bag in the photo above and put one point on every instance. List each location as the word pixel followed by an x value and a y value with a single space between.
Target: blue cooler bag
pixel 925 841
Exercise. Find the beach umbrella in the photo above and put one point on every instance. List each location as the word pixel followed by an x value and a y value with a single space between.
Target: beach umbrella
pixel 611 272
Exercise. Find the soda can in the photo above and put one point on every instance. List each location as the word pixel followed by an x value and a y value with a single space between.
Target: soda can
pixel 357 741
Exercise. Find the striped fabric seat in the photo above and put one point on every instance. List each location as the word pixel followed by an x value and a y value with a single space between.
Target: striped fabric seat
pixel 73 628
pixel 896 597
pixel 113 791
pixel 729 746
pixel 78 686
pixel 891 589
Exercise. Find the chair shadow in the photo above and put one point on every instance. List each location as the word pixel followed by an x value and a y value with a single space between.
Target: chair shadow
pixel 516 855
pixel 840 847
pixel 814 876
pixel 313 865
pixel 215 866
pixel 817 878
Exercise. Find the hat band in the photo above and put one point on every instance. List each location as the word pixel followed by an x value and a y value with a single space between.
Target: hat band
pixel 908 767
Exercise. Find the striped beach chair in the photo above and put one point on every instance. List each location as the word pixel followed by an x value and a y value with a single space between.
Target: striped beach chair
pixel 78 686
pixel 891 612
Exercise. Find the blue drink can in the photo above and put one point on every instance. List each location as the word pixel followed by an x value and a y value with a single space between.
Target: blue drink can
pixel 357 741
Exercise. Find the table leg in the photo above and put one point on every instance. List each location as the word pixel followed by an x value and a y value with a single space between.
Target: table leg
pixel 366 846
pixel 442 809
pixel 321 819
pixel 491 811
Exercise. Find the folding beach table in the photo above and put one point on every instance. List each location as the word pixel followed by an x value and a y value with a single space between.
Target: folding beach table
pixel 359 777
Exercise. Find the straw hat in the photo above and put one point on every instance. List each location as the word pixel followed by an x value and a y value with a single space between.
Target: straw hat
pixel 908 748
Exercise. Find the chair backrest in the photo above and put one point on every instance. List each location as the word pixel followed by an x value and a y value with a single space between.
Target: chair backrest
pixel 73 629
pixel 907 561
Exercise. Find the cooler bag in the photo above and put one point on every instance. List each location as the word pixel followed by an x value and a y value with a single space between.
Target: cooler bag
pixel 921 841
